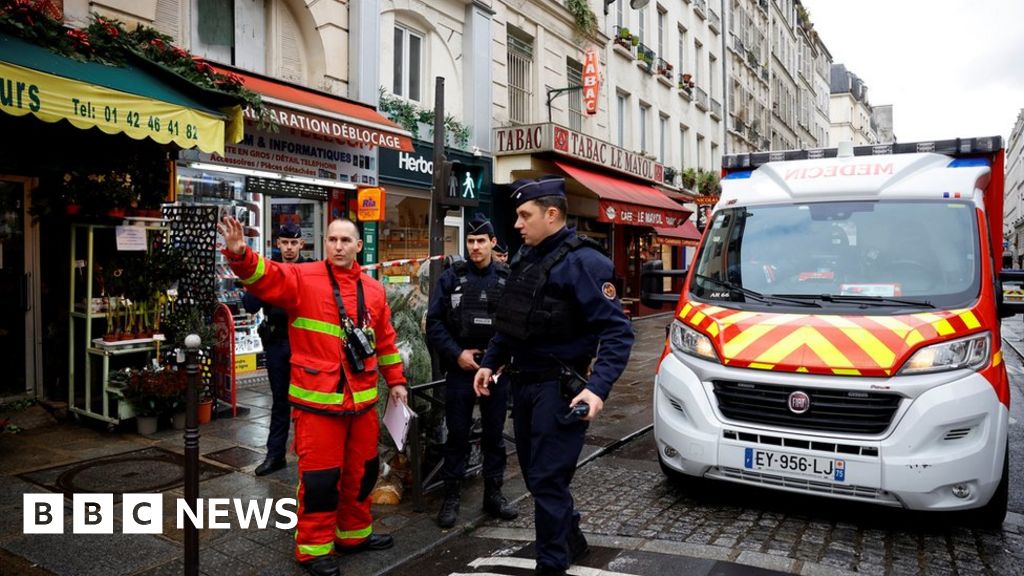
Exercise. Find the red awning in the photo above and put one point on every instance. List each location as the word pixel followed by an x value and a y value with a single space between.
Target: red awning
pixel 686 234
pixel 626 202
pixel 296 107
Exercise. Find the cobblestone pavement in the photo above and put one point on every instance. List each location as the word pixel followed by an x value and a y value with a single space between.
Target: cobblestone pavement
pixel 632 498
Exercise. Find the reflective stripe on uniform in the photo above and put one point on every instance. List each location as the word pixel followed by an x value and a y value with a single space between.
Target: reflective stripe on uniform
pixel 261 268
pixel 388 359
pixel 353 534
pixel 315 396
pixel 317 326
pixel 365 395
pixel 316 549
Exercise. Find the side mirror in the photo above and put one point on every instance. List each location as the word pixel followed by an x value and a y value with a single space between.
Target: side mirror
pixel 1010 293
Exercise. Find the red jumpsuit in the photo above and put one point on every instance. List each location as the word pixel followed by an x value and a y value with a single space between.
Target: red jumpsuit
pixel 335 421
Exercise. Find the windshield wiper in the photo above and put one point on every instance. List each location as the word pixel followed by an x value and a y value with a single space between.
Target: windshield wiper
pixel 766 298
pixel 862 299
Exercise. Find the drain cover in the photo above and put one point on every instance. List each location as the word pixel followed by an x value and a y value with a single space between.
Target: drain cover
pixel 147 470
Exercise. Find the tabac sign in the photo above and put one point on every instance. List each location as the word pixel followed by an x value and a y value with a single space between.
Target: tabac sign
pixel 535 138
pixel 591 81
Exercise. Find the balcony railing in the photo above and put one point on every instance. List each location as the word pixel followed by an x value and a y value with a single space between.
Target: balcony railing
pixel 625 39
pixel 663 68
pixel 763 5
pixel 646 56
pixel 716 108
pixel 764 73
pixel 700 7
pixel 738 46
pixel 702 98
pixel 715 23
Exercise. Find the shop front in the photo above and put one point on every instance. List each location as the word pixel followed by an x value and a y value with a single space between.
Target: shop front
pixel 59 176
pixel 304 163
pixel 613 194
pixel 408 179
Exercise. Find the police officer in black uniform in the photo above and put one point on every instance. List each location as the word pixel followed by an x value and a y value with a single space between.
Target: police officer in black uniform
pixel 501 252
pixel 460 323
pixel 559 311
pixel 274 335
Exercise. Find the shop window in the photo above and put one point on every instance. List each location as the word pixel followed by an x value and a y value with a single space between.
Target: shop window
pixel 404 234
pixel 408 64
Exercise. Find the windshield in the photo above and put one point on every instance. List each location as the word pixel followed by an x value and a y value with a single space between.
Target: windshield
pixel 842 254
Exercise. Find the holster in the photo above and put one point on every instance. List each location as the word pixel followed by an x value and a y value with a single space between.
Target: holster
pixel 571 383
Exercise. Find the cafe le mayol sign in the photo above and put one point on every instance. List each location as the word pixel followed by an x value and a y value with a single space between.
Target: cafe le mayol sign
pixel 534 138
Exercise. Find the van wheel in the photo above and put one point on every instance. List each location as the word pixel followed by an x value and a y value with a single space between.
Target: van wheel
pixel 991 515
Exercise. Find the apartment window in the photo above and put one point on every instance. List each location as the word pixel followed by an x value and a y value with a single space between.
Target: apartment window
pixel 574 72
pixel 620 115
pixel 682 50
pixel 712 74
pixel 520 73
pixel 700 151
pixel 641 24
pixel 645 111
pixel 684 134
pixel 661 33
pixel 698 53
pixel 408 64
pixel 663 135
pixel 620 13
pixel 715 159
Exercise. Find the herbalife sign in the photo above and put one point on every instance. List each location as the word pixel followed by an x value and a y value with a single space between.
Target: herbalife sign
pixel 470 177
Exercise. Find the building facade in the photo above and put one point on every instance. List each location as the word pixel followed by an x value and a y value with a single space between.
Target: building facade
pixel 747 55
pixel 1013 202
pixel 849 109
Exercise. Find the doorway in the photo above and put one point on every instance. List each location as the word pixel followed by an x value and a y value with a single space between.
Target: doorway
pixel 18 289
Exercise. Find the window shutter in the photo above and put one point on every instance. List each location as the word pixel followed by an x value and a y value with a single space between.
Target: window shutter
pixel 168 18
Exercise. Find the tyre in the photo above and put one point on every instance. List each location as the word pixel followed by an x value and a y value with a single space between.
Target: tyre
pixel 991 515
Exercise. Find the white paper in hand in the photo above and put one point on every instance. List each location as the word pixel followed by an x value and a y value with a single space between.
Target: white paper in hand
pixel 396 420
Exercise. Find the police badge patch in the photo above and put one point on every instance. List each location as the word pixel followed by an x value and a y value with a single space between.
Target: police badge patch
pixel 608 289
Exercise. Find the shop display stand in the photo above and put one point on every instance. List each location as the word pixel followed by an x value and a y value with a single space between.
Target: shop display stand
pixel 82 398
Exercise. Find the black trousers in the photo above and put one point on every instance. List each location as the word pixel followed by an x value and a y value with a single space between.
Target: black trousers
pixel 459 399
pixel 548 452
pixel 279 356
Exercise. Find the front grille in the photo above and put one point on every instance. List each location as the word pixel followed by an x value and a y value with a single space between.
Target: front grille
pixel 817 446
pixel 824 488
pixel 845 411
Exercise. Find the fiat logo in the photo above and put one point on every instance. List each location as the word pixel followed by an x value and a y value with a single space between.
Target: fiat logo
pixel 799 402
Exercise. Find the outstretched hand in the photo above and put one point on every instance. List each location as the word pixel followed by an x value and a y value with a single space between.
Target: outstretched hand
pixel 231 229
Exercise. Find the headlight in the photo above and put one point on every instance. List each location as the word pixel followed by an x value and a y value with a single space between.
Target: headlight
pixel 688 341
pixel 971 352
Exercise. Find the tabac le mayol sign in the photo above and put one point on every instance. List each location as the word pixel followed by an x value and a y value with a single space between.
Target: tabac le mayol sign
pixel 535 138
pixel 591 81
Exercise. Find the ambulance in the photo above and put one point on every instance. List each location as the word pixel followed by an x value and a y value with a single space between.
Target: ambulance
pixel 838 332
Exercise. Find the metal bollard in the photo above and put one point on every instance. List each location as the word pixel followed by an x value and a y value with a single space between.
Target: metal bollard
pixel 192 343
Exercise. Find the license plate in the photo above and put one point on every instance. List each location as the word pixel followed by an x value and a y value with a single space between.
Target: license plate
pixel 795 464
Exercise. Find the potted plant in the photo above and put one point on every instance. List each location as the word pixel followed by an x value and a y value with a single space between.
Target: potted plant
pixel 634 40
pixel 152 393
pixel 689 178
pixel 624 38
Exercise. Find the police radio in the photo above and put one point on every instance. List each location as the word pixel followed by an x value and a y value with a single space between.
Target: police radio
pixel 357 345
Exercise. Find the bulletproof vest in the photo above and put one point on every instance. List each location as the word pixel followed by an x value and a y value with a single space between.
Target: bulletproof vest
pixel 528 311
pixel 471 306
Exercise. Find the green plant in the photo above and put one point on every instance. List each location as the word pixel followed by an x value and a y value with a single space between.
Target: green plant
pixel 409 116
pixel 624 33
pixel 689 178
pixel 670 174
pixel 586 20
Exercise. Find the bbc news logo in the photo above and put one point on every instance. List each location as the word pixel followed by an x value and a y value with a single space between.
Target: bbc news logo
pixel 144 513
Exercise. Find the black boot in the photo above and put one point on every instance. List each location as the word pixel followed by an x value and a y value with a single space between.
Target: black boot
pixel 494 503
pixel 322 566
pixel 449 513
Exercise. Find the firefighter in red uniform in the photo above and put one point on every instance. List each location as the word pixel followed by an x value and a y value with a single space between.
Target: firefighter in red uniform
pixel 341 336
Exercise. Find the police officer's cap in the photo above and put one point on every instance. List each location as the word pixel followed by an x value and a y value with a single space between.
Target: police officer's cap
pixel 526 189
pixel 289 230
pixel 479 225
pixel 501 248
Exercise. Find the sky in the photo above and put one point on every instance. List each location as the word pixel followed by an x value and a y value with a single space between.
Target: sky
pixel 950 68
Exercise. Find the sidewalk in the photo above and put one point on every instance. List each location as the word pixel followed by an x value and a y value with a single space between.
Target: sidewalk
pixel 85 458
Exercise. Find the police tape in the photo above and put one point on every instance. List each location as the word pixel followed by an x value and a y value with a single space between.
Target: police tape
pixel 402 262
